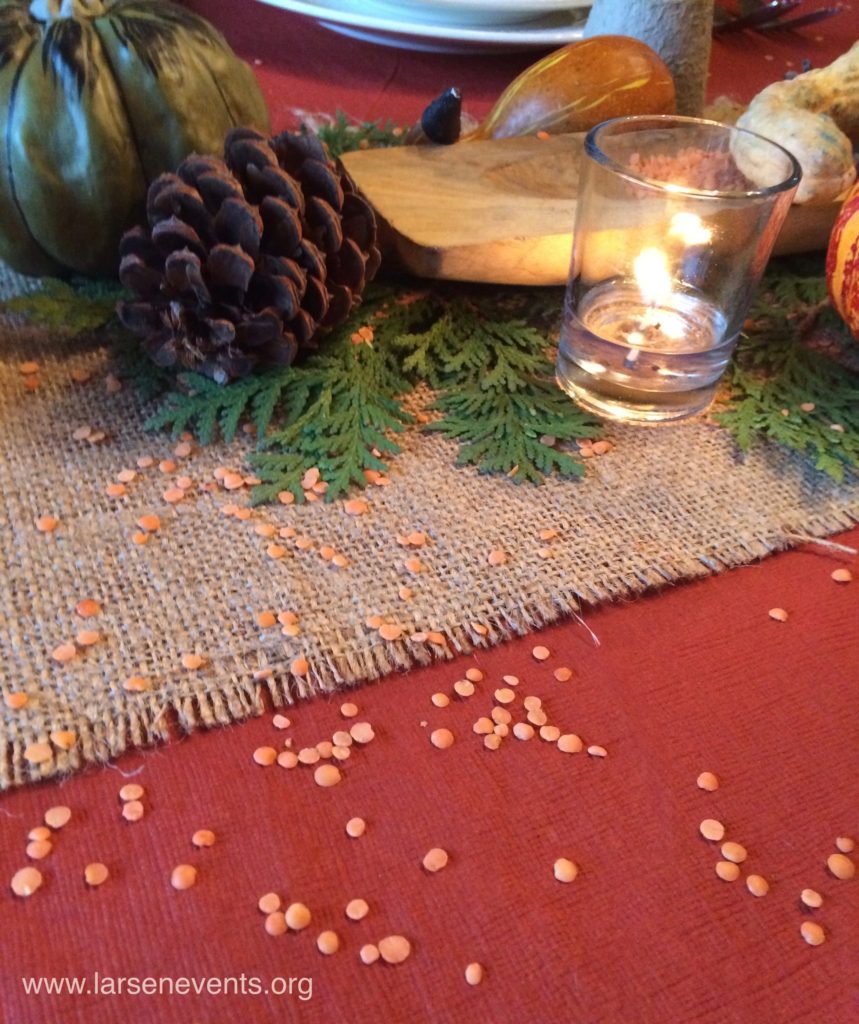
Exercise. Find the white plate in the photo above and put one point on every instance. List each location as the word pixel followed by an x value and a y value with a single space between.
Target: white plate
pixel 351 18
pixel 488 13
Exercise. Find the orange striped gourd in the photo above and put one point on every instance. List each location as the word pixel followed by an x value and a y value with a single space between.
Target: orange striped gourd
pixel 580 85
pixel 842 262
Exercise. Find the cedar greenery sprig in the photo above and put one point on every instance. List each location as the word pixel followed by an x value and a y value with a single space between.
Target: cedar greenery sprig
pixel 342 135
pixel 76 307
pixel 781 389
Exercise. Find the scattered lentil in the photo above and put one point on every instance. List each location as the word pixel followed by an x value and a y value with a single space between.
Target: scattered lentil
pixel 501 716
pixel 511 680
pixel 265 756
pixel 150 523
pixel 356 827
pixel 183 876
pixel 779 614
pixel 842 575
pixel 523 731
pixel 441 738
pixel 87 637
pixel 757 885
pixel 297 916
pixel 474 974
pixel 497 557
pixel 58 817
pixel 841 866
pixel 131 791
pixel 812 932
pixel 463 688
pixel 390 631
pixel 132 810
pixel 299 667
pixel 39 834
pixel 348 710
pixel 96 873
pixel 357 910
pixel 269 902
pixel 203 837
pixel 441 700
pixel 369 953
pixel 327 775
pixel 65 739
pixel 727 870
pixel 328 942
pixel 474 675
pixel 275 923
pixel 569 743
pixel 26 881
pixel 38 849
pixel 435 859
pixel 362 732
pixel 708 781
pixel 394 949
pixel 811 898
pixel 64 652
pixel 504 696
pixel 541 653
pixel 595 750
pixel 565 870
pixel 845 844
pixel 538 717
pixel 492 742
pixel 308 755
pixel 734 852
pixel 47 524
pixel 550 733
pixel 287 759
pixel 38 753
pixel 483 726
pixel 192 661
pixel 15 700
pixel 712 829
pixel 563 674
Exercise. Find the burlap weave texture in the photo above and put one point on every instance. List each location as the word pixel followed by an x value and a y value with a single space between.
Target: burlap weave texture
pixel 663 506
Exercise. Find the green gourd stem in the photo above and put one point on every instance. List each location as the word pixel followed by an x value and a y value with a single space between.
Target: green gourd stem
pixel 54 10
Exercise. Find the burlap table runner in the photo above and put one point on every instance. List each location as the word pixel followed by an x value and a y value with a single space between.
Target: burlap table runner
pixel 664 505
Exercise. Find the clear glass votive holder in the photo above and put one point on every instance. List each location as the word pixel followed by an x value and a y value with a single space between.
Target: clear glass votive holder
pixel 675 222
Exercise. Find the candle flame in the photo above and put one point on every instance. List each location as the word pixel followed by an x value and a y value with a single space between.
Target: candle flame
pixel 652 276
pixel 689 228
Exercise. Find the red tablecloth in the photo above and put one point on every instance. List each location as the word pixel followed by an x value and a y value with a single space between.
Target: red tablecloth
pixel 695 678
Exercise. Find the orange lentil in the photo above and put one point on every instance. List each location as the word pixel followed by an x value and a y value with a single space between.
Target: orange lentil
pixel 563 674
pixel 145 462
pixel 479 628
pixel 550 733
pixel 87 637
pixel 501 716
pixel 87 608
pixel 340 561
pixel 286 497
pixel 405 593
pixel 265 756
pixel 537 717
pixel 540 653
pixel 173 495
pixel 812 932
pixel 26 881
pixel 549 534
pixel 441 738
pixel 435 637
pixel 57 817
pixel 842 575
pixel 16 700
pixel 474 675
pixel 727 870
pixel 362 732
pixel 136 684
pixel 38 753
pixel 369 953
pixel 841 866
pixel 348 710
pixel 297 916
pixel 184 482
pixel 341 753
pixel 497 557
pixel 504 696
pixel 303 543
pixel 167 466
pixel 82 433
pixel 132 810
pixel 31 383
pixel 414 565
pixel 779 614
pixel 595 750
pixel 244 514
pixel 150 522
pixel 310 477
pixel 483 726
pixel 441 700
pixel 569 743
pixel 131 791
pixel 47 524
pixel 511 680
pixel 394 949
pixel 182 450
pixel 463 688
pixel 96 874
pixel 390 631
pixel 275 551
pixel 233 481
pixel 140 538
pixel 355 507
pixel 707 781
pixel 28 368
pixel 327 775
pixel 287 759
pixel 125 476
pixel 523 731
pixel 192 661
pixel 356 827
pixel 299 667
pixel 183 876
pixel 327 552
pixel 757 885
pixel 811 899
pixel 845 844
pixel 96 436
pixel 115 490
pixel 275 923
pixel 325 748
pixel 269 903
pixel 492 741
pixel 266 619
pixel 265 529
pixel 38 849
pixel 64 652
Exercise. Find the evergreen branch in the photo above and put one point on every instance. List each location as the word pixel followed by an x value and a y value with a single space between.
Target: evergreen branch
pixel 343 135
pixel 76 307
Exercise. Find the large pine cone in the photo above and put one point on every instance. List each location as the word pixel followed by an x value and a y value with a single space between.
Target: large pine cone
pixel 248 260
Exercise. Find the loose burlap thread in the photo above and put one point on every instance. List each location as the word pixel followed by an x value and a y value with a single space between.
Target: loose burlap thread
pixel 663 506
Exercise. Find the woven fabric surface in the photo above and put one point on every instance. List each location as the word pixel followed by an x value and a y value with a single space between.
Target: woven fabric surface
pixel 661 507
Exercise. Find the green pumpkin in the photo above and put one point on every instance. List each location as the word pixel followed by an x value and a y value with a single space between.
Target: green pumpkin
pixel 99 97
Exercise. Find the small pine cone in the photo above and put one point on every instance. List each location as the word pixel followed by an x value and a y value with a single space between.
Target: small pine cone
pixel 248 260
